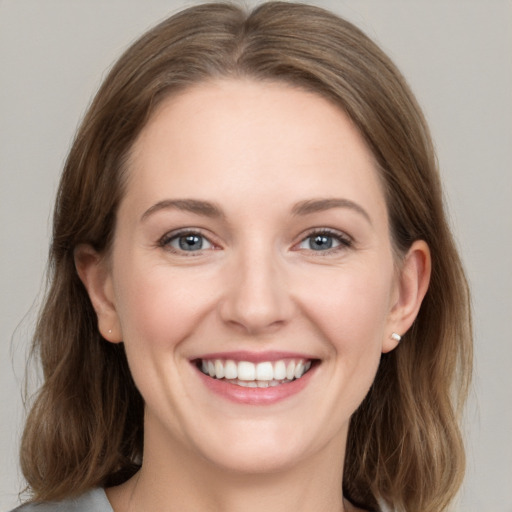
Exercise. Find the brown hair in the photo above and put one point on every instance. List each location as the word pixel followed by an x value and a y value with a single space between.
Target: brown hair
pixel 86 425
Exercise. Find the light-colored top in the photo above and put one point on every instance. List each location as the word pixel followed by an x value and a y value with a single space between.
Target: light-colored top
pixel 92 501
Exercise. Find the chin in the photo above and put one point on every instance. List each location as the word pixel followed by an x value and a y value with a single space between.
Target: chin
pixel 257 460
pixel 261 447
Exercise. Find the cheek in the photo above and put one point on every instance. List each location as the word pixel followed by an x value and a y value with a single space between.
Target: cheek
pixel 348 308
pixel 351 307
pixel 158 310
pixel 351 315
pixel 157 307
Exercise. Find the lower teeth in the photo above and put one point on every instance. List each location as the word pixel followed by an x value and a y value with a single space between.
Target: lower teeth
pixel 257 383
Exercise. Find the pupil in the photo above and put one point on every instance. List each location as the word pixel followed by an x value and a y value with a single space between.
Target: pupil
pixel 321 242
pixel 190 242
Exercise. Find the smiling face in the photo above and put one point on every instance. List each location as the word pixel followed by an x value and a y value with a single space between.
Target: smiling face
pixel 252 245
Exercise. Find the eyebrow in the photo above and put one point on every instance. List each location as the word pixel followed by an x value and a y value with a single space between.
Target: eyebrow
pixel 319 205
pixel 209 209
pixel 205 208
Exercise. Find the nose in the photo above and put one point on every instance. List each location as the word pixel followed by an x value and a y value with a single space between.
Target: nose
pixel 257 298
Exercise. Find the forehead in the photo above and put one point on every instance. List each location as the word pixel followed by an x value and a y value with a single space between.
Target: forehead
pixel 264 140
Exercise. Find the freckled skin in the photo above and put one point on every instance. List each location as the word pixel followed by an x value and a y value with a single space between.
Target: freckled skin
pixel 255 151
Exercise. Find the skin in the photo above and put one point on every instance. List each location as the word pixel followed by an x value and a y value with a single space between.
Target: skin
pixel 256 151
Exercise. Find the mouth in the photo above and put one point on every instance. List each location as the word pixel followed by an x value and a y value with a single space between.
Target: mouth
pixel 248 374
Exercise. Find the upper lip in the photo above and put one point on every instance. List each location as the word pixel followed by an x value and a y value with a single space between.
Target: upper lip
pixel 254 357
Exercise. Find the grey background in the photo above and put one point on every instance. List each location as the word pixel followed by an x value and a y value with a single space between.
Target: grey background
pixel 456 55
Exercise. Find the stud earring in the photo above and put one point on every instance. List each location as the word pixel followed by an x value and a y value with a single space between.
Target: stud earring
pixel 395 336
pixel 110 331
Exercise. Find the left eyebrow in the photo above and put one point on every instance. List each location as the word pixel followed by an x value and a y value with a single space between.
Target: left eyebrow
pixel 318 205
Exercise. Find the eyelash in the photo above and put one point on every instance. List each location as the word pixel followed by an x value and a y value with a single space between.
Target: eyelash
pixel 343 240
pixel 166 240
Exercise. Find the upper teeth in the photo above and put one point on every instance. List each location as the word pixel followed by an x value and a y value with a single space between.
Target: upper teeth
pixel 246 371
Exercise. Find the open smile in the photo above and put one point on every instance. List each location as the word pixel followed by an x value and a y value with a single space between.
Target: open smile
pixel 255 375
pixel 255 382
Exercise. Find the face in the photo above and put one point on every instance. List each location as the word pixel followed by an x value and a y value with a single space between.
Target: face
pixel 252 245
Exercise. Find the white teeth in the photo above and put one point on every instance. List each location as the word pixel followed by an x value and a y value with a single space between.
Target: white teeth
pixel 230 370
pixel 246 370
pixel 279 370
pixel 290 370
pixel 299 370
pixel 219 369
pixel 258 383
pixel 262 374
pixel 264 371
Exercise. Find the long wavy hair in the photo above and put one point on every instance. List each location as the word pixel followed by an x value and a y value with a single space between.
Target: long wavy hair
pixel 85 428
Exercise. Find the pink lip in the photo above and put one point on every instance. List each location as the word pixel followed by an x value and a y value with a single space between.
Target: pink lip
pixel 255 396
pixel 254 357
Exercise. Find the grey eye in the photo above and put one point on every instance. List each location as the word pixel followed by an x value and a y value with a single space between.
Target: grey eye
pixel 319 242
pixel 189 242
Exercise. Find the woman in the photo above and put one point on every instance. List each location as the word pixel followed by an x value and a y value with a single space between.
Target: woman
pixel 255 298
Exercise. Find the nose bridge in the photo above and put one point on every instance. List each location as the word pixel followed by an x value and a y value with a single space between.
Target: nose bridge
pixel 257 298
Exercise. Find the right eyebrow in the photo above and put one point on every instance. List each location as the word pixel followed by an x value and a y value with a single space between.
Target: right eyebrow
pixel 204 208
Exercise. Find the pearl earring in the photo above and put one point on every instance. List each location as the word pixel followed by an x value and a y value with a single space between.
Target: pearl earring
pixel 395 336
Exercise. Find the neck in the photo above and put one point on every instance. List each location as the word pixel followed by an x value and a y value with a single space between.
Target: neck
pixel 174 479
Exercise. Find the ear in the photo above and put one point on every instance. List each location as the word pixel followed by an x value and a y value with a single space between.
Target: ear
pixel 412 284
pixel 94 272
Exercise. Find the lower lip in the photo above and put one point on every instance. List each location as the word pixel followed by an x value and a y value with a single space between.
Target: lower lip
pixel 256 396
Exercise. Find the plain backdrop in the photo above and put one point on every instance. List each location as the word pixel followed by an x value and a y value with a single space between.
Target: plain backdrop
pixel 456 54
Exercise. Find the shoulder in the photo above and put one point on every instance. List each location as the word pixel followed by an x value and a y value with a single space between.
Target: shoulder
pixel 94 500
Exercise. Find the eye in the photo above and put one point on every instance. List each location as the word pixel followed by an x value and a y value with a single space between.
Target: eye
pixel 321 241
pixel 188 241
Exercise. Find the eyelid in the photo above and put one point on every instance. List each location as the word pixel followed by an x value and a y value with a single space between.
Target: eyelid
pixel 345 241
pixel 164 241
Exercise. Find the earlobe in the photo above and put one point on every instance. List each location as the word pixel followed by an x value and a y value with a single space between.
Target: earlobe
pixel 413 281
pixel 95 275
